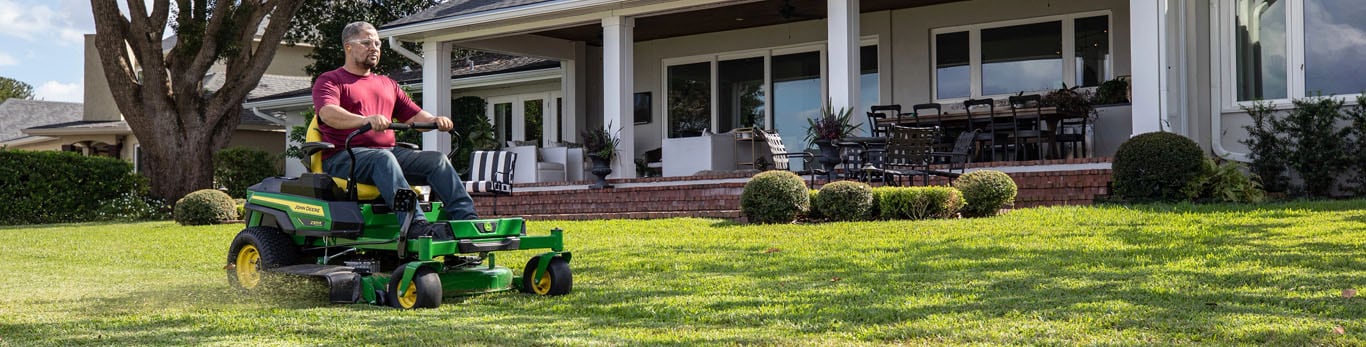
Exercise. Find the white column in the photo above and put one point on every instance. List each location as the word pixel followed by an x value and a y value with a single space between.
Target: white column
pixel 573 82
pixel 617 89
pixel 436 91
pixel 1146 65
pixel 842 38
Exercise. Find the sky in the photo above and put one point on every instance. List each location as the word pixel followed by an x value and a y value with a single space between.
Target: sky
pixel 42 44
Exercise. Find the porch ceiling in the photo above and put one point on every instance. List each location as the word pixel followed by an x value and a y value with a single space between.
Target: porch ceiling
pixel 740 16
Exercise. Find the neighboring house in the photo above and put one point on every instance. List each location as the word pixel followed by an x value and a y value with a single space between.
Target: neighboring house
pixel 1192 64
pixel 96 127
pixel 17 115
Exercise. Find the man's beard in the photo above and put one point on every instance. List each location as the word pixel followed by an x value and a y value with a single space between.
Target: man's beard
pixel 367 63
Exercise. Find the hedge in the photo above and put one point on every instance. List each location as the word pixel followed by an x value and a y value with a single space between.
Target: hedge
pixel 61 187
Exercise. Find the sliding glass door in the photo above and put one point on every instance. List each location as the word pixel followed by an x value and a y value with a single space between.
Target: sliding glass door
pixel 796 95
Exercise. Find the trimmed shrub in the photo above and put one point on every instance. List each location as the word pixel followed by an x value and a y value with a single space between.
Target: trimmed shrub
pixel 1156 167
pixel 844 201
pixel 812 213
pixel 918 202
pixel 204 206
pixel 774 197
pixel 986 192
pixel 61 187
pixel 237 168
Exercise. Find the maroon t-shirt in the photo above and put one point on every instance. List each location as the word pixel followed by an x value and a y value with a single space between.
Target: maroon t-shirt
pixel 362 95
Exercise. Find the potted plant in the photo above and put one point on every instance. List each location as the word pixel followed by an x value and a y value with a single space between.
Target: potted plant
pixel 1114 91
pixel 601 146
pixel 1070 100
pixel 827 128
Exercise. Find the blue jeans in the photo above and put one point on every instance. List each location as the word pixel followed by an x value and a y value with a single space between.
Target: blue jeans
pixel 392 169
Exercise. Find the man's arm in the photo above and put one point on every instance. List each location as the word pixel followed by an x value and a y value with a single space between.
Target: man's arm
pixel 339 118
pixel 442 123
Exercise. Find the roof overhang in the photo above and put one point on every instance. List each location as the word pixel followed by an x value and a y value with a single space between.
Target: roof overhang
pixel 27 140
pixel 115 128
pixel 539 17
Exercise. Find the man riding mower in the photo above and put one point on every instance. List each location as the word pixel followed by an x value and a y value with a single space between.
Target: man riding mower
pixel 339 230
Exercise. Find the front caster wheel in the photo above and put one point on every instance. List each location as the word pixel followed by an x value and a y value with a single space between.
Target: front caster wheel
pixel 558 280
pixel 423 292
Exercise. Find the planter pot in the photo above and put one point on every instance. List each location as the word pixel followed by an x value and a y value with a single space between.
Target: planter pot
pixel 601 168
pixel 830 157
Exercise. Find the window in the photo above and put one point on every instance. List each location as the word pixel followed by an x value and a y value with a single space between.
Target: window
pixel 1021 57
pixel 1004 58
pixel 770 88
pixel 689 99
pixel 740 93
pixel 1092 50
pixel 1283 49
pixel 1261 50
pixel 953 75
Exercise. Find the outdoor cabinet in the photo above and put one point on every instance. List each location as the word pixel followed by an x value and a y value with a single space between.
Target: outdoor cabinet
pixel 687 155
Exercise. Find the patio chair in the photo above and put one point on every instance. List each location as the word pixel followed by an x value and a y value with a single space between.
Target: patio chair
pixel 776 157
pixel 907 155
pixel 985 125
pixel 1027 113
pixel 1071 131
pixel 877 118
pixel 954 162
pixel 491 174
pixel 935 119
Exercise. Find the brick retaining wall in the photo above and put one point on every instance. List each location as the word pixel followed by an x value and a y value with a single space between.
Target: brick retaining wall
pixel 718 196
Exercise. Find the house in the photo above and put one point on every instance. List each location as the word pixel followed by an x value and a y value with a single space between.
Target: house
pixel 96 127
pixel 1192 63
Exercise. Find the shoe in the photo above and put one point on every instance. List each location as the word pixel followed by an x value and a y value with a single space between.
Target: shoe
pixel 438 231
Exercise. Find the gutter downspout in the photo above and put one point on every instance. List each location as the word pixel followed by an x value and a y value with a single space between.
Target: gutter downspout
pixel 1216 112
pixel 265 116
pixel 396 45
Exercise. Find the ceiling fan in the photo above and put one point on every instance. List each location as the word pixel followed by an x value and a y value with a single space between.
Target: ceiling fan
pixel 789 12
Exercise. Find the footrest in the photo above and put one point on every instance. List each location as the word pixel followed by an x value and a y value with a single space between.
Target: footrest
pixel 504 244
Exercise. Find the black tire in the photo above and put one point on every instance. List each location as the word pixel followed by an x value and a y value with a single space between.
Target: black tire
pixel 424 292
pixel 560 279
pixel 270 249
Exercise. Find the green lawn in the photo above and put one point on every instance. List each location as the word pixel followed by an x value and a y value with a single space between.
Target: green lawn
pixel 1148 275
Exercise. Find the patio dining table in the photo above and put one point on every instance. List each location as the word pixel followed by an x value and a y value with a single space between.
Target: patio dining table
pixel 959 118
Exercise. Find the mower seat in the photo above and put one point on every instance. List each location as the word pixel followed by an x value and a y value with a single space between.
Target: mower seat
pixel 313 147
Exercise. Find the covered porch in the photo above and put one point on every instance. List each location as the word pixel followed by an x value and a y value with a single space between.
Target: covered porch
pixel 678 78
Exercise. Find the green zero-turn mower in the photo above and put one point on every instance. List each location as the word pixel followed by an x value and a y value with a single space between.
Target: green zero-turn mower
pixel 311 226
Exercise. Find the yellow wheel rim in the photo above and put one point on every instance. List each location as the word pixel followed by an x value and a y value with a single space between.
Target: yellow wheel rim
pixel 248 271
pixel 409 297
pixel 542 287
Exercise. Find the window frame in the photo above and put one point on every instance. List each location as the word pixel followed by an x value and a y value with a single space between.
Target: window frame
pixel 1069 51
pixel 714 59
pixel 1223 32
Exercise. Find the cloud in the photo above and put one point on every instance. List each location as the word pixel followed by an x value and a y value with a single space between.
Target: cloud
pixel 39 22
pixel 58 91
pixel 7 60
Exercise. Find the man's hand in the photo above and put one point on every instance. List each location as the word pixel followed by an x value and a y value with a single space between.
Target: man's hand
pixel 378 122
pixel 444 124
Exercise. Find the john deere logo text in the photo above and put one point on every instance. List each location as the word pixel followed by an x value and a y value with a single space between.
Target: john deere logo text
pixel 294 206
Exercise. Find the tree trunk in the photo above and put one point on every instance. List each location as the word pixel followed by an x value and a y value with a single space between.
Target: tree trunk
pixel 161 92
